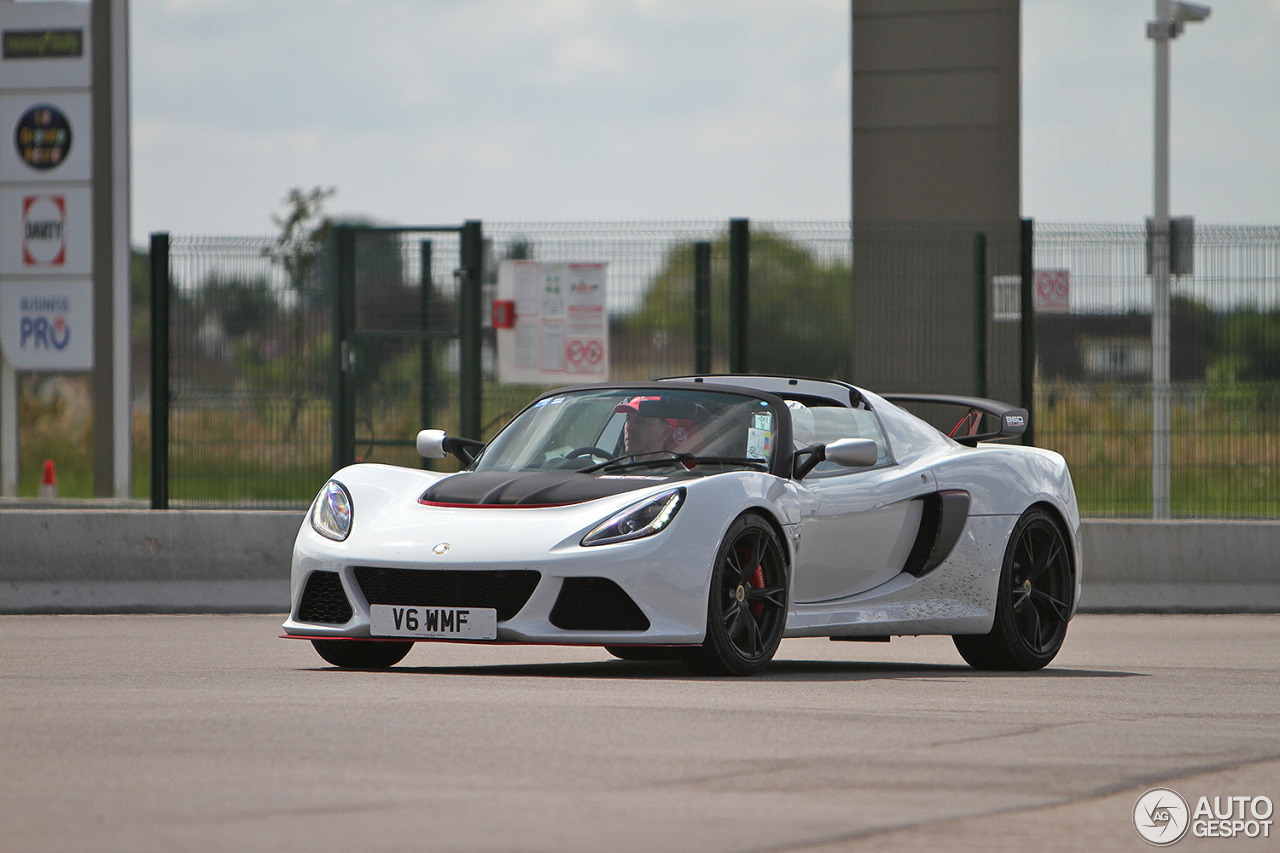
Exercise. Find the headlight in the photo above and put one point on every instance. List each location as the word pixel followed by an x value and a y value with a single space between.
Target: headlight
pixel 331 514
pixel 638 520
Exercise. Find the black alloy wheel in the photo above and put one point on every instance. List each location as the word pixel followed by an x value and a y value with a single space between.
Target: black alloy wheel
pixel 1033 602
pixel 362 654
pixel 747 606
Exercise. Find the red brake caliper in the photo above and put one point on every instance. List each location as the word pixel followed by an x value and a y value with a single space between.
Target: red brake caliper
pixel 757 580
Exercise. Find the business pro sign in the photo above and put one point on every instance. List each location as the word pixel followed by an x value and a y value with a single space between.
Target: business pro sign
pixel 47 325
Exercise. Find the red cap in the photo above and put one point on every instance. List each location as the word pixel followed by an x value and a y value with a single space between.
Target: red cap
pixel 632 407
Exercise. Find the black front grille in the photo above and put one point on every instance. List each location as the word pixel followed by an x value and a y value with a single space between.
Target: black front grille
pixel 596 604
pixel 505 591
pixel 324 601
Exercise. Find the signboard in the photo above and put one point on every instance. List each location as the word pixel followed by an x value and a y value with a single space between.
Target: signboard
pixel 45 44
pixel 552 322
pixel 46 231
pixel 47 326
pixel 46 136
pixel 46 189
pixel 64 225
pixel 1053 291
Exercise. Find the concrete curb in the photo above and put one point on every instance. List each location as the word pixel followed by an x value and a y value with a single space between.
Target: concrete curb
pixel 1193 566
pixel 222 561
pixel 138 561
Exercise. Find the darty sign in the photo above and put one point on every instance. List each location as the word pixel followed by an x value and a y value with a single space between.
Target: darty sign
pixel 44 220
pixel 46 232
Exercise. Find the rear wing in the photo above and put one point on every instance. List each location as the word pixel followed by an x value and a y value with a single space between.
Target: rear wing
pixel 1011 419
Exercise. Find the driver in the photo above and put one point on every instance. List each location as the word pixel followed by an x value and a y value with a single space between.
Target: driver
pixel 643 434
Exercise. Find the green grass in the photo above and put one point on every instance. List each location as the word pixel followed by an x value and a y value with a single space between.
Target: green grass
pixel 1225 447
pixel 1225 450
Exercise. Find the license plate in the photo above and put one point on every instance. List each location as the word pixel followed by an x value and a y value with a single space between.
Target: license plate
pixel 443 623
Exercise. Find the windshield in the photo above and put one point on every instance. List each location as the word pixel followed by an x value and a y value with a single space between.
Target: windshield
pixel 609 430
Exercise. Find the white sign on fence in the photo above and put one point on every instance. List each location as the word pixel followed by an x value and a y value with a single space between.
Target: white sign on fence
pixel 1053 291
pixel 552 322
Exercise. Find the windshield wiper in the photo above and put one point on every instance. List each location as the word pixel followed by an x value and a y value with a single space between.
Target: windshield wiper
pixel 688 460
pixel 733 460
pixel 633 459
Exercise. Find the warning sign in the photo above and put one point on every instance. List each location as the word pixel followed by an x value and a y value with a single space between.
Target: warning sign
pixel 1053 291
pixel 560 327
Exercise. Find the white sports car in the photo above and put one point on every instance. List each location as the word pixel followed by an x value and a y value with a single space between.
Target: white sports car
pixel 704 519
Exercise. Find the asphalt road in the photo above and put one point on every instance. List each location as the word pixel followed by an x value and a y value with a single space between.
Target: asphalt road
pixel 141 733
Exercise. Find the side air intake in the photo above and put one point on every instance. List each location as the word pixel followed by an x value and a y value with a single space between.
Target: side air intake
pixel 941 523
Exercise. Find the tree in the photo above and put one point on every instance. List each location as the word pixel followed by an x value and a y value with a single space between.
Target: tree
pixel 1251 341
pixel 304 231
pixel 799 306
pixel 242 306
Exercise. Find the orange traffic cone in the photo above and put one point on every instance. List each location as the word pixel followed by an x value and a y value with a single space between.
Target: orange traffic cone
pixel 48 483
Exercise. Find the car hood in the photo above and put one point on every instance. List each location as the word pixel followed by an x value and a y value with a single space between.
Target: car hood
pixel 541 488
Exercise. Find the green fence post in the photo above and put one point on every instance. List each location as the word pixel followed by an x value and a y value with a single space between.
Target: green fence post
pixel 160 283
pixel 702 308
pixel 344 354
pixel 1028 329
pixel 980 314
pixel 739 304
pixel 470 380
pixel 427 368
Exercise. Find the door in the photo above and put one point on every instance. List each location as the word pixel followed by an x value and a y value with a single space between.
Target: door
pixel 857 529
pixel 857 526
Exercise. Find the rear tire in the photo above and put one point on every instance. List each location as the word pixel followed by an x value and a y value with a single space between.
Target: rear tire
pixel 360 654
pixel 747 605
pixel 1033 601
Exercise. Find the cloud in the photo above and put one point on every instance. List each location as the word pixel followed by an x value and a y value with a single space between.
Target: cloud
pixel 489 108
pixel 666 109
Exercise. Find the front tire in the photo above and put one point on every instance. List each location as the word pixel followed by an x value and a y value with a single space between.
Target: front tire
pixel 1033 602
pixel 747 606
pixel 357 654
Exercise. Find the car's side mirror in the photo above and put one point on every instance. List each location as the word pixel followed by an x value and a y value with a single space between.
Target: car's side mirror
pixel 845 452
pixel 436 444
pixel 853 452
pixel 431 443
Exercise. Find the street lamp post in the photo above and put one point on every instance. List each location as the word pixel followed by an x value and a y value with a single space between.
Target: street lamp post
pixel 1170 19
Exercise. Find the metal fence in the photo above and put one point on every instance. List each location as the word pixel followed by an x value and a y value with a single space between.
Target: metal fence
pixel 252 356
pixel 249 402
pixel 1095 358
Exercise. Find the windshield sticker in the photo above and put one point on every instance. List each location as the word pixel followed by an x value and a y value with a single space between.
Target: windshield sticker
pixel 763 421
pixel 540 404
pixel 758 443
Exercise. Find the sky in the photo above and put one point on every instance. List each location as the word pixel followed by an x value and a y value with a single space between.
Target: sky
pixel 424 112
